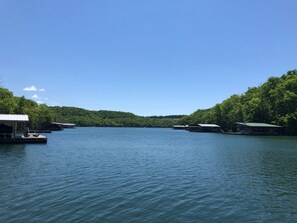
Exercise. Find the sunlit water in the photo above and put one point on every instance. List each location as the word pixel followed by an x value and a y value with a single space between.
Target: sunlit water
pixel 149 175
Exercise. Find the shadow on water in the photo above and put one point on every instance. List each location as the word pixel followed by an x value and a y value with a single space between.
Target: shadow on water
pixel 18 149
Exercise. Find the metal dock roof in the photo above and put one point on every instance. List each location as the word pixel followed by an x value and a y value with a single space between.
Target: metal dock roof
pixel 62 123
pixel 210 125
pixel 14 118
pixel 262 125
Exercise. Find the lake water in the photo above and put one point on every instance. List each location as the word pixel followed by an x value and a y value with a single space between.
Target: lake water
pixel 149 175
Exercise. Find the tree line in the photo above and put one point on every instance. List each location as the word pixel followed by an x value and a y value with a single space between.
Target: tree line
pixel 273 102
pixel 102 118
pixel 41 115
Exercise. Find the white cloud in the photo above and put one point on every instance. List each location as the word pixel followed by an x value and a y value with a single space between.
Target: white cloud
pixel 39 102
pixel 35 96
pixel 32 88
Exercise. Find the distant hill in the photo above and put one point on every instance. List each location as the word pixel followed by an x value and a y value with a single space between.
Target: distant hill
pixel 42 114
pixel 103 118
pixel 275 102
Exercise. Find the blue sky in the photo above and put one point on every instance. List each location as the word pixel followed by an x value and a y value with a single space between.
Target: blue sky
pixel 154 57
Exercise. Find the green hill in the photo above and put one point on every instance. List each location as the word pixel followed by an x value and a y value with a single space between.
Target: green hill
pixel 84 117
pixel 42 114
pixel 275 102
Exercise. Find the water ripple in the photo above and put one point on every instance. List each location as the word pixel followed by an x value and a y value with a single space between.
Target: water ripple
pixel 149 175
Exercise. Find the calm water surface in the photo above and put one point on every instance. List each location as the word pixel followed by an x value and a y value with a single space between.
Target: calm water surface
pixel 149 175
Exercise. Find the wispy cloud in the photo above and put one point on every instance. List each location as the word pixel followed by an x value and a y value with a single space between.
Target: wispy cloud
pixel 32 88
pixel 38 99
pixel 35 96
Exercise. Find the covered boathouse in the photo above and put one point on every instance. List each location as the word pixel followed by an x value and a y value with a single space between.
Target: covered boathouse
pixel 180 127
pixel 258 129
pixel 65 125
pixel 14 129
pixel 204 128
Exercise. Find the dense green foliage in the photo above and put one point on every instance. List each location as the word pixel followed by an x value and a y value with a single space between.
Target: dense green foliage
pixel 38 114
pixel 273 102
pixel 84 117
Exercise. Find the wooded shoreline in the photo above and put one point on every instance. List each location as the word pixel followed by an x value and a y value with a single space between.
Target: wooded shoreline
pixel 273 102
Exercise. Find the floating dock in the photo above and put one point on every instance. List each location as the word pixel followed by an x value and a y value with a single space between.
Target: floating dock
pixel 25 140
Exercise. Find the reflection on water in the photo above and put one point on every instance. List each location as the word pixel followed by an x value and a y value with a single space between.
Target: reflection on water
pixel 10 154
pixel 149 175
pixel 11 147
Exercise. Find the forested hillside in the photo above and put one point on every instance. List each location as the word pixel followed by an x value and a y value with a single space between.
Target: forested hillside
pixel 84 117
pixel 42 114
pixel 275 102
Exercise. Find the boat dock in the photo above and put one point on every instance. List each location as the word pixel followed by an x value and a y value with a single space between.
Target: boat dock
pixel 204 128
pixel 36 139
pixel 180 127
pixel 14 130
pixel 65 125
